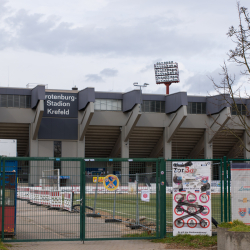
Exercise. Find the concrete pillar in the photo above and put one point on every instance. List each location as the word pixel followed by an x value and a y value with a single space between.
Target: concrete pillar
pixel 124 154
pixel 167 154
pixel 33 152
pixel 109 169
pixel 246 146
pixel 208 147
pixel 149 168
pixel 70 168
pixel 81 148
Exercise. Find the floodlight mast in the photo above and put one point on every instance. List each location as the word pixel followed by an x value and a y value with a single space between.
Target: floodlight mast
pixel 141 86
pixel 166 73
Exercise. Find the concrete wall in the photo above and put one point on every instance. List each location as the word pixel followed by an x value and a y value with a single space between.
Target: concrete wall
pixel 16 115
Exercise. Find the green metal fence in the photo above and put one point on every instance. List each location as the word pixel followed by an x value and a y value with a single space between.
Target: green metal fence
pixel 65 199
pixel 36 199
pixel 122 214
pixel 57 199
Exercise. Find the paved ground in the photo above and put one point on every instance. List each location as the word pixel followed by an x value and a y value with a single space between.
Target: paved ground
pixel 89 245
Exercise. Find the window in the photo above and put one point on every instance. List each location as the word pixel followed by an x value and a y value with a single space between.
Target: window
pixel 241 109
pixel 108 104
pixel 153 106
pixel 16 101
pixel 196 108
pixel 57 154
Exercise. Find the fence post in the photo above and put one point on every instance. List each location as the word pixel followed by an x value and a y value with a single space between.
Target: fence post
pixel 225 188
pixel 229 191
pixel 82 199
pixel 3 198
pixel 162 198
pixel 221 194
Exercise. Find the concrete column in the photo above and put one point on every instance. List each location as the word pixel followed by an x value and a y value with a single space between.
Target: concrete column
pixel 81 148
pixel 109 169
pixel 149 168
pixel 167 154
pixel 208 149
pixel 70 168
pixel 33 152
pixel 124 154
pixel 246 146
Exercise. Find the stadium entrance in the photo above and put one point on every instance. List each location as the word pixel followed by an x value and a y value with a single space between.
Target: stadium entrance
pixel 123 199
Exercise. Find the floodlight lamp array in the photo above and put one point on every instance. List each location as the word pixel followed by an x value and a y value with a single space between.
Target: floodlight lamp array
pixel 166 72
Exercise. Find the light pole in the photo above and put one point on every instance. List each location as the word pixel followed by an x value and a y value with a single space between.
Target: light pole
pixel 137 85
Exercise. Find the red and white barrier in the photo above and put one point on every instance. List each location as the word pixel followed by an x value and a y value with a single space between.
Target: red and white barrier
pixel 67 203
pixel 56 199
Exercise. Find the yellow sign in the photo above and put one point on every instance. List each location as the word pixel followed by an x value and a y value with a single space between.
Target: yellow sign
pixel 100 179
pixel 111 182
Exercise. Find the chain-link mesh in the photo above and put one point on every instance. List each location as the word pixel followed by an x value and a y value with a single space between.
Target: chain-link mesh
pixel 38 201
pixel 128 212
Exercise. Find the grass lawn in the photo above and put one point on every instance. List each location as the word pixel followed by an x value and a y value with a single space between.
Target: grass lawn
pixel 126 205
pixel 190 241
pixel 3 246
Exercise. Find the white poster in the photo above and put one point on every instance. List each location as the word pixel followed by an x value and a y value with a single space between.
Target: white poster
pixel 145 195
pixel 240 192
pixel 192 198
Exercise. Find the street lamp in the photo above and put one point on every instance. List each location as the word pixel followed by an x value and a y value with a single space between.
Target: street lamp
pixel 141 86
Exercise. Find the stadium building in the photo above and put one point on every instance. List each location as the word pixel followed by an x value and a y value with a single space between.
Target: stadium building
pixel 92 124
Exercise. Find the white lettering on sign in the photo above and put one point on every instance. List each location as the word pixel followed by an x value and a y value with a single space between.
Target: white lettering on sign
pixel 60 97
pixel 58 112
pixel 60 103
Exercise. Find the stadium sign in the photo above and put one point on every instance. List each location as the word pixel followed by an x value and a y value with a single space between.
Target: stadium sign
pixel 60 105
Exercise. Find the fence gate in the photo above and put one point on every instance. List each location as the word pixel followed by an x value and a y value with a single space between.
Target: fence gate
pixel 45 199
pixel 40 199
pixel 129 212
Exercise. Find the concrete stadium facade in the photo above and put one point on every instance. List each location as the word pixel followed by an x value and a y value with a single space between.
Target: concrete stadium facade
pixel 95 124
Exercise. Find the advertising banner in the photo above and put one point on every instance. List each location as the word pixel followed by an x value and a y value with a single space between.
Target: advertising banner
pixel 192 198
pixel 240 192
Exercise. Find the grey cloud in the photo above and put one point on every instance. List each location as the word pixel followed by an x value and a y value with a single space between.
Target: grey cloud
pixel 94 78
pixel 201 83
pixel 150 36
pixel 109 72
pixel 150 66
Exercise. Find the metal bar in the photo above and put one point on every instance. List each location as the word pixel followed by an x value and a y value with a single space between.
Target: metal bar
pixel 114 206
pixel 83 198
pixel 95 194
pixel 3 198
pixel 221 193
pixel 137 201
pixel 225 188
pixel 162 198
pixel 82 214
pixel 157 200
pixel 229 191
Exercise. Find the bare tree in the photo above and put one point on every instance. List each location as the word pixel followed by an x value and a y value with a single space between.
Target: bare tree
pixel 240 55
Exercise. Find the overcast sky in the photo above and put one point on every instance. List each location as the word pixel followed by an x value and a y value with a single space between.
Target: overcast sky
pixel 109 44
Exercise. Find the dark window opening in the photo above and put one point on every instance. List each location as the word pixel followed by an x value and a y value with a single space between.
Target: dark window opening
pixel 239 109
pixel 57 154
pixel 16 101
pixel 153 106
pixel 196 108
